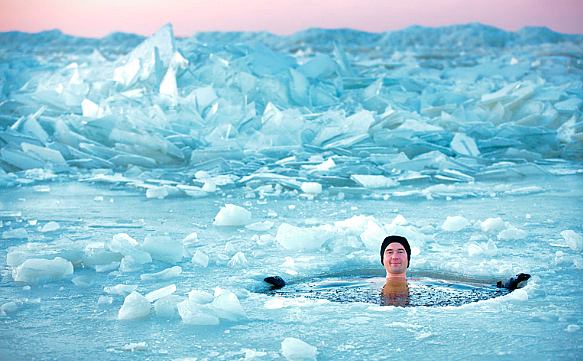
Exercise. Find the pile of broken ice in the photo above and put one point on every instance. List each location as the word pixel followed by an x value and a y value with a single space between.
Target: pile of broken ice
pixel 304 114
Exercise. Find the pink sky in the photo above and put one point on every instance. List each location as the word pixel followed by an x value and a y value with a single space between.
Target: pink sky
pixel 96 18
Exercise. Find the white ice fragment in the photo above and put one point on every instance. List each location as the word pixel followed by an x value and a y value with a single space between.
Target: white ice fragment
pixel 46 154
pixel 158 192
pixel 127 246
pixel 418 126
pixel 492 225
pixel 322 167
pixel 127 73
pixel 573 328
pixel 192 238
pixel 512 233
pixel 251 354
pixel 464 145
pixel 209 187
pixel 260 226
pixel 166 306
pixel 226 305
pixel 160 293
pixel 120 289
pixel 36 270
pixel 168 85
pixel 200 258
pixel 204 96
pixel 311 187
pixel 164 248
pixel 238 261
pixel 193 313
pixel 374 181
pixel 18 233
pixel 201 174
pixel 232 215
pixel 108 267
pixel 372 234
pixel 518 295
pixel 200 297
pixel 134 306
pixel 294 349
pixel 291 237
pixel 165 274
pixel 485 248
pixel 91 109
pixel 130 264
pixel 454 223
pixel 572 239
pixel 50 227
pixel 135 346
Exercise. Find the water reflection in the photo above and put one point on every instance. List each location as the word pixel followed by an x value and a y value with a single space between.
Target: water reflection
pixel 395 292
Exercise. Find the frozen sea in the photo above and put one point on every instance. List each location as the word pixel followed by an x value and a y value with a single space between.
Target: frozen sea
pixel 148 185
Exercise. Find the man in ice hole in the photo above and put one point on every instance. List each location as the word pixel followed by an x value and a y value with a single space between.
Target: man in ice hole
pixel 395 257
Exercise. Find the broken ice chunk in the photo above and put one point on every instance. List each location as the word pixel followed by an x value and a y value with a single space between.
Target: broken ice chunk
pixel 50 227
pixel 464 145
pixel 120 289
pixel 20 160
pixel 260 226
pixel 573 239
pixel 200 258
pixel 36 270
pixel 127 73
pixel 166 306
pixel 157 192
pixel 512 233
pixel 165 274
pixel 311 187
pixel 291 237
pixel 374 181
pixel 168 85
pixel 320 66
pixel 193 313
pixel 294 349
pixel 232 215
pixel 238 260
pixel 454 223
pixel 226 305
pixel 477 249
pixel 134 306
pixel 43 153
pixel 18 233
pixel 127 246
pixel 160 293
pixel 492 225
pixel 164 248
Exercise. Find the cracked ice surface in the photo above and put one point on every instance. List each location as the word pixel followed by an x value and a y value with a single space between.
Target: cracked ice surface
pixel 148 185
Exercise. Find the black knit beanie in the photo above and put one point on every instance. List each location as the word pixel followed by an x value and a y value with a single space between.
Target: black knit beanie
pixel 396 239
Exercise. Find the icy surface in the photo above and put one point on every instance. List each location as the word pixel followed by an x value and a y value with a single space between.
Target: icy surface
pixel 148 185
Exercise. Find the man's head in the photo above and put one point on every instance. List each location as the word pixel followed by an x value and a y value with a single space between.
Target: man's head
pixel 393 251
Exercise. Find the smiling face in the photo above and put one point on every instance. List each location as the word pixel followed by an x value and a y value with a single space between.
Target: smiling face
pixel 395 260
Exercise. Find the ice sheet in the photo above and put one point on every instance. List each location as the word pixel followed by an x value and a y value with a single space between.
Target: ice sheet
pixel 148 185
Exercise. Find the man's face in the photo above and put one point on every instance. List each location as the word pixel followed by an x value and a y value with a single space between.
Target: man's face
pixel 395 259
